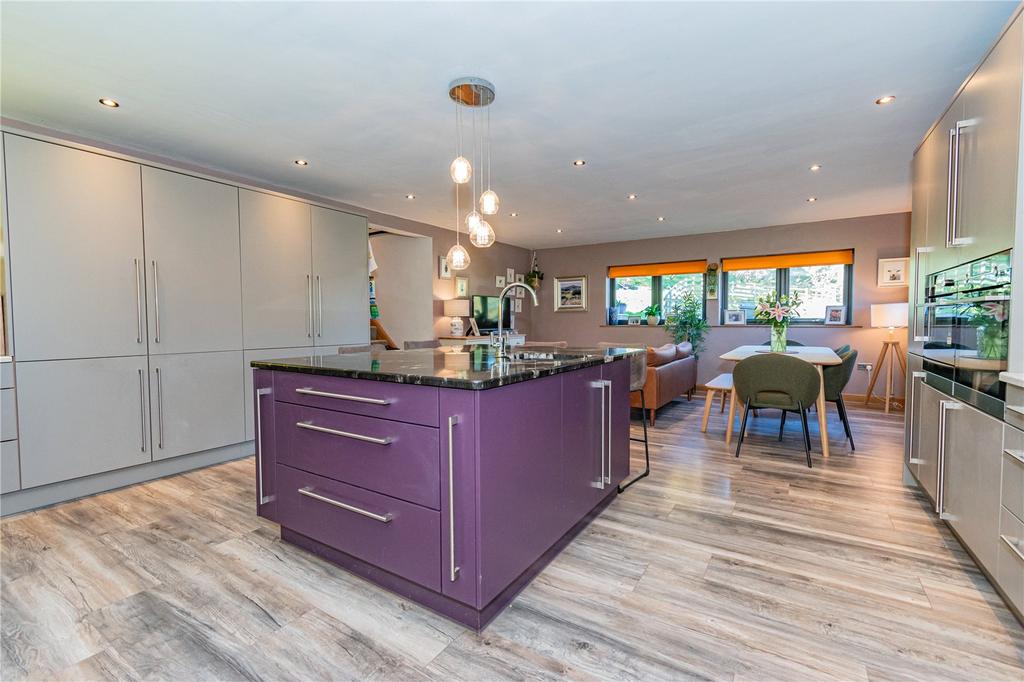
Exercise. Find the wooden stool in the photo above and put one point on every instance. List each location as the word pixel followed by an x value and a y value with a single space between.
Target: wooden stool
pixel 723 384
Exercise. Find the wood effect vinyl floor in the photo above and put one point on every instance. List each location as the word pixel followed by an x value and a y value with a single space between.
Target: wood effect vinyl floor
pixel 714 567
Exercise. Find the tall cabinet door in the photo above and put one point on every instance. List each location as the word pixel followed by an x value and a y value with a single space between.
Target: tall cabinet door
pixel 584 435
pixel 82 417
pixel 78 281
pixel 927 467
pixel 937 173
pixel 195 289
pixel 340 277
pixel 277 286
pixel 197 402
pixel 989 148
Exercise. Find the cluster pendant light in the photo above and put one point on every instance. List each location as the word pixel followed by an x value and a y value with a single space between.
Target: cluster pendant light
pixel 474 94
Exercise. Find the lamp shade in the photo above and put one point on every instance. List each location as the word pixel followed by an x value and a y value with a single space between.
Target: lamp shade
pixel 889 314
pixel 456 307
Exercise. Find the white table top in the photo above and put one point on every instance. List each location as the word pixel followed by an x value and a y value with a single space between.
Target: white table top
pixel 816 355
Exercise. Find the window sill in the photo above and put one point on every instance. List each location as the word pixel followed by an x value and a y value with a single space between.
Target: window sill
pixel 765 325
pixel 634 326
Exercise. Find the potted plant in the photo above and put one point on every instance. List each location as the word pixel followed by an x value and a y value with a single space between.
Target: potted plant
pixel 652 313
pixel 534 277
pixel 778 311
pixel 685 322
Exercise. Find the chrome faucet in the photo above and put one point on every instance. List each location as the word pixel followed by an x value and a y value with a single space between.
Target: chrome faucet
pixel 501 340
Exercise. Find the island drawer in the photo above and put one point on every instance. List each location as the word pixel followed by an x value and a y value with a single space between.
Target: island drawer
pixel 394 458
pixel 401 402
pixel 1013 470
pixel 397 536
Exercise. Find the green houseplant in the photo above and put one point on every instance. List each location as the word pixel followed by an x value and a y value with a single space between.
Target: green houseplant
pixel 534 277
pixel 685 322
pixel 652 313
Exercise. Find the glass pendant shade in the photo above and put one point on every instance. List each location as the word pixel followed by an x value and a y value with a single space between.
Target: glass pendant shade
pixel 461 170
pixel 483 236
pixel 458 257
pixel 489 202
pixel 473 221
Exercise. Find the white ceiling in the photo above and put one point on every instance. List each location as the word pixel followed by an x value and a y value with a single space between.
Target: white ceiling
pixel 710 112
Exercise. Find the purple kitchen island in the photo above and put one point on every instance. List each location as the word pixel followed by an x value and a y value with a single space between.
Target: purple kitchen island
pixel 447 477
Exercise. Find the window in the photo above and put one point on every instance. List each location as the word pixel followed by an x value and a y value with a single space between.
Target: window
pixel 632 288
pixel 821 279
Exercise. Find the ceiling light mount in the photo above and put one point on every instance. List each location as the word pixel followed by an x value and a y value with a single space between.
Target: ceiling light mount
pixel 471 91
pixel 887 99
pixel 579 162
pixel 815 167
pixel 301 162
pixel 110 103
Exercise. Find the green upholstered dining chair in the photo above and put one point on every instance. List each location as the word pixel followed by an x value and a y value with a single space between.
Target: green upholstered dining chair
pixel 776 381
pixel 789 342
pixel 836 379
pixel 843 349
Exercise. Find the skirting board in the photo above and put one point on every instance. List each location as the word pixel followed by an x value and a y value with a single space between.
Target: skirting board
pixel 18 501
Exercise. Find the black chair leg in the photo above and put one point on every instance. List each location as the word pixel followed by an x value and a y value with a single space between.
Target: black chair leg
pixel 841 407
pixel 807 435
pixel 743 428
pixel 647 450
pixel 782 424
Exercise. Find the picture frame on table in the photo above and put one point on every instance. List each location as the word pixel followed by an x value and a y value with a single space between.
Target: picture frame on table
pixel 570 294
pixel 443 270
pixel 461 287
pixel 835 315
pixel 893 272
pixel 735 316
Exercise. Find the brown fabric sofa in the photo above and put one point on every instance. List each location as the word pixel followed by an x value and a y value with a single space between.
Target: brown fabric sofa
pixel 671 372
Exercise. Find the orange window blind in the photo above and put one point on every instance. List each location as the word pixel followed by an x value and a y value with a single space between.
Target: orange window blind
pixel 789 260
pixel 681 267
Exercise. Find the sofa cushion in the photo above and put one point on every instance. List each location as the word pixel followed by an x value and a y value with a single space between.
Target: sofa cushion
pixel 684 350
pixel 661 355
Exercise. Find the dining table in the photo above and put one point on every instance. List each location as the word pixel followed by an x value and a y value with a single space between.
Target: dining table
pixel 819 356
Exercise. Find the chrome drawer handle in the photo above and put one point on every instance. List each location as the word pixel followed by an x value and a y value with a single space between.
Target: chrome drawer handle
pixel 383 518
pixel 453 570
pixel 1012 544
pixel 342 396
pixel 260 392
pixel 344 434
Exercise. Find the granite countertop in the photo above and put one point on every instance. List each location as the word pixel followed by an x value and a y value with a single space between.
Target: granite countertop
pixel 468 367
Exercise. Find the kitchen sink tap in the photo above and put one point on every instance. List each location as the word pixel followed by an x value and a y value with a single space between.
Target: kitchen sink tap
pixel 500 341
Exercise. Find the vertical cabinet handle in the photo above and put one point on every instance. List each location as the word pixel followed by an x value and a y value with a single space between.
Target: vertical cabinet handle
pixel 156 301
pixel 453 570
pixel 917 293
pixel 602 386
pixel 309 309
pixel 608 448
pixel 950 182
pixel 953 204
pixel 142 412
pixel 914 377
pixel 260 392
pixel 138 301
pixel 160 409
pixel 319 307
pixel 944 407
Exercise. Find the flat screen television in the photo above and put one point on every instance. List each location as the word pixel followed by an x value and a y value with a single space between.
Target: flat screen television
pixel 485 312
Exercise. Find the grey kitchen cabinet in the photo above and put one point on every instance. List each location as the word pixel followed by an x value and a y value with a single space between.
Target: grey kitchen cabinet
pixel 192 252
pixel 196 402
pixel 82 417
pixel 1010 559
pixel 340 278
pixel 989 151
pixel 277 286
pixel 78 268
pixel 1012 493
pixel 971 479
pixel 10 468
pixel 926 466
pixel 8 414
pixel 938 157
pixel 262 354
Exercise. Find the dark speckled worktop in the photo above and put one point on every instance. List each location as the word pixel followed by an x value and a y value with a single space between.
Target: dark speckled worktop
pixel 471 367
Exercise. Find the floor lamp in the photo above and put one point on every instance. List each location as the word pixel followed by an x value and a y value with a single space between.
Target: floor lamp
pixel 890 316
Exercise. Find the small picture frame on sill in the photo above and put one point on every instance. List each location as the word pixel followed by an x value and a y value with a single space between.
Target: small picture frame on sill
pixel 835 314
pixel 735 316
pixel 893 272
pixel 633 321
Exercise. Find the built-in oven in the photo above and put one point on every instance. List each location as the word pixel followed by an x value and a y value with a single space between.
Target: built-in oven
pixel 962 327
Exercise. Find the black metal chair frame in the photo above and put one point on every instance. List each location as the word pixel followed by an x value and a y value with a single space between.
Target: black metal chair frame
pixel 647 451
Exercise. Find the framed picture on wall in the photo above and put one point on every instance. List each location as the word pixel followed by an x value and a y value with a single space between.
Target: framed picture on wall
pixel 735 316
pixel 510 275
pixel 835 314
pixel 571 294
pixel 893 272
pixel 499 281
pixel 443 271
pixel 461 287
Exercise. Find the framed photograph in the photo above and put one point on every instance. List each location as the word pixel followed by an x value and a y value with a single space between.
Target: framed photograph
pixel 499 281
pixel 835 314
pixel 571 294
pixel 461 287
pixel 510 275
pixel 474 329
pixel 518 307
pixel 633 321
pixel 520 292
pixel 735 316
pixel 521 279
pixel 893 272
pixel 443 271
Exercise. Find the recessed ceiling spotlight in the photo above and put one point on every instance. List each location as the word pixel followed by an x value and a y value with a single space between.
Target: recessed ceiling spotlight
pixel 107 102
pixel 514 214
pixel 410 197
pixel 815 167
pixel 579 162
pixel 559 230
pixel 301 162
pixel 661 219
pixel 888 99
pixel 631 197
pixel 811 200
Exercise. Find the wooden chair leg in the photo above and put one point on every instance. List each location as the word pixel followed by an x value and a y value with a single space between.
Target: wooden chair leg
pixel 708 399
pixel 722 408
pixel 743 429
pixel 651 413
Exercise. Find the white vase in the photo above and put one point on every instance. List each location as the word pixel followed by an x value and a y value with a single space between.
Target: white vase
pixel 652 320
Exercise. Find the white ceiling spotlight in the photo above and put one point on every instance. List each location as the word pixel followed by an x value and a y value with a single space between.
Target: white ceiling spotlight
pixel 474 94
